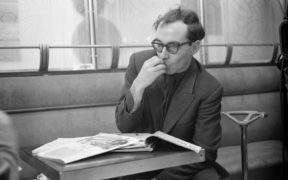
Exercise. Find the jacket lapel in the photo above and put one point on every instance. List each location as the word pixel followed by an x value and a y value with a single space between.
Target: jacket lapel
pixel 182 98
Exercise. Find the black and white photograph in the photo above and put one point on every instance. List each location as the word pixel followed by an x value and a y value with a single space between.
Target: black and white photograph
pixel 143 89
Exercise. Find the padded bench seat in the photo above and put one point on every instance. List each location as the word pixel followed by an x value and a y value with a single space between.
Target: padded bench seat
pixel 261 155
pixel 84 104
pixel 251 89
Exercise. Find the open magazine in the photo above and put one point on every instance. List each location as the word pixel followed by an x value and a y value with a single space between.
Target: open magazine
pixel 67 150
pixel 147 142
pixel 141 143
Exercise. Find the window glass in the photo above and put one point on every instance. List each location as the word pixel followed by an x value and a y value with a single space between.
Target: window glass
pixel 127 22
pixel 251 54
pixel 10 60
pixel 83 56
pixel 34 22
pixel 215 54
pixel 241 22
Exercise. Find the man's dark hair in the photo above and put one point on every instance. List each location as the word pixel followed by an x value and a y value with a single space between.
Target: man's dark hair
pixel 195 31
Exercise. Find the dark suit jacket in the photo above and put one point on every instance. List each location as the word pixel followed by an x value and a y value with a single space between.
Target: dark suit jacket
pixel 194 111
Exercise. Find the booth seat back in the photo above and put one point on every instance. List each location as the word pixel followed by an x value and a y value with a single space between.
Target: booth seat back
pixel 47 107
pixel 251 88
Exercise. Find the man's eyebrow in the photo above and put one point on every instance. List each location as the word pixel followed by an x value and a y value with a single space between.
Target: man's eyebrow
pixel 158 40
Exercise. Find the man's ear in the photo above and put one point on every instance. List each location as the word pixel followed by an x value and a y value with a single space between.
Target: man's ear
pixel 195 47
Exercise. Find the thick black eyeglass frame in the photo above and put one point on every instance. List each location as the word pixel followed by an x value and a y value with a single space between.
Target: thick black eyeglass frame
pixel 160 47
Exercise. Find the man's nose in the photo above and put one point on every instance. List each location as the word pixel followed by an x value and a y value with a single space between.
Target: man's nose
pixel 164 54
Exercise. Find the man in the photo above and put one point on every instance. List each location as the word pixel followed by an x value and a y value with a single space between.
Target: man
pixel 166 89
pixel 8 149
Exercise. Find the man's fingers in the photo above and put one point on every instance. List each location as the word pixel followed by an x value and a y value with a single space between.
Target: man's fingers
pixel 154 61
pixel 159 67
pixel 162 71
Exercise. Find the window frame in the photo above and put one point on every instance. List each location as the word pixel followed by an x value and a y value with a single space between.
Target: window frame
pixel 91 5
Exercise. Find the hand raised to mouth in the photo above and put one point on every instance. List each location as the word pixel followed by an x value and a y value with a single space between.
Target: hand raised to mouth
pixel 151 69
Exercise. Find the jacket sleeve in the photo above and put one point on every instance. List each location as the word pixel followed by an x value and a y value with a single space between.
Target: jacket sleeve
pixel 8 146
pixel 126 121
pixel 208 130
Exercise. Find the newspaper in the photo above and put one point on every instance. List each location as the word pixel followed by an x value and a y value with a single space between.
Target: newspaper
pixel 67 150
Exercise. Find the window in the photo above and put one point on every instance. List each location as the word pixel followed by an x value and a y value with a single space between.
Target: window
pixel 250 26
pixel 91 34
pixel 34 22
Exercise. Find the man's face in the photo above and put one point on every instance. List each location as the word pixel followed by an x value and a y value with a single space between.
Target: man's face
pixel 174 33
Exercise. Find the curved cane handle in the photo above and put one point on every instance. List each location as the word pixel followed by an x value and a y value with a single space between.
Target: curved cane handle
pixel 251 116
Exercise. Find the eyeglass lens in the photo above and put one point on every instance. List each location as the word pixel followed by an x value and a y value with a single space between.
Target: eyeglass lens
pixel 171 47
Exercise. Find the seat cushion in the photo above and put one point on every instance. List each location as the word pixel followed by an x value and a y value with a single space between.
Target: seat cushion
pixel 263 158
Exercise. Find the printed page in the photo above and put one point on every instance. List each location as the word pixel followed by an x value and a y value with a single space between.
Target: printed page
pixel 53 145
pixel 81 148
pixel 140 145
pixel 178 142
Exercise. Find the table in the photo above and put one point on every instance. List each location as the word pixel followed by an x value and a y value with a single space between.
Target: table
pixel 110 165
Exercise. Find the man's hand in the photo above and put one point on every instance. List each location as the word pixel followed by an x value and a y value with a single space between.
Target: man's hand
pixel 151 69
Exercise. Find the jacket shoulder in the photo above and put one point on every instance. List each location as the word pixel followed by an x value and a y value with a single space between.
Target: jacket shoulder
pixel 208 82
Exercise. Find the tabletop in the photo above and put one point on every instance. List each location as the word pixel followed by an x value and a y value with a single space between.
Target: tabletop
pixel 111 164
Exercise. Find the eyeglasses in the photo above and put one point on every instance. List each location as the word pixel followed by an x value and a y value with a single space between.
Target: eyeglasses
pixel 171 47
